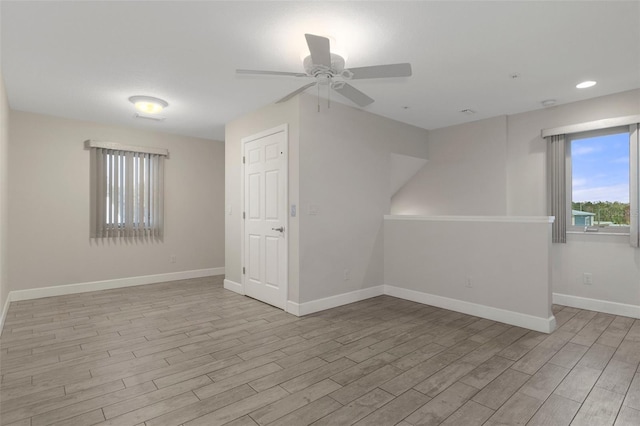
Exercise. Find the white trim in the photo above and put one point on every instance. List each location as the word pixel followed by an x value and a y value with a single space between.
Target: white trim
pixel 234 286
pixel 505 219
pixel 305 308
pixel 121 147
pixel 591 125
pixel 5 310
pixel 544 325
pixel 36 293
pixel 598 305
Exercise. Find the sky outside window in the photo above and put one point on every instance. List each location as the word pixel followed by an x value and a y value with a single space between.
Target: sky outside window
pixel 600 168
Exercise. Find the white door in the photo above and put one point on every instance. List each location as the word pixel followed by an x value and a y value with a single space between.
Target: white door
pixel 265 212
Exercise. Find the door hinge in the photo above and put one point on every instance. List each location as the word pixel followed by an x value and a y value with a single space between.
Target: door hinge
pixel 243 270
pixel 244 215
pixel 243 160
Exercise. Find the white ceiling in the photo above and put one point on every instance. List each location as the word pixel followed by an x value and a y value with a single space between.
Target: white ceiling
pixel 83 60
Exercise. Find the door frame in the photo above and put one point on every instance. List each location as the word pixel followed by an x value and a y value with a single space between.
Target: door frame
pixel 283 128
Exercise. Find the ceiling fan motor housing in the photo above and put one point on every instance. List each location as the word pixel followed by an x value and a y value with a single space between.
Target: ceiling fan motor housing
pixel 322 71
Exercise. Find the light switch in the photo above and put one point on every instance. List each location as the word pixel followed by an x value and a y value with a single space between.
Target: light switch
pixel 293 210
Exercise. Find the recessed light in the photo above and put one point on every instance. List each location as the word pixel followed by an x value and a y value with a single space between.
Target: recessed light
pixel 585 84
pixel 148 104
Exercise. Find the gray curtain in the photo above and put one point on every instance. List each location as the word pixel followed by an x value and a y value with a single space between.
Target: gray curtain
pixel 557 186
pixel 634 185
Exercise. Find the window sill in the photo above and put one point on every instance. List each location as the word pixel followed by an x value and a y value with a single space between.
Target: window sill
pixel 622 234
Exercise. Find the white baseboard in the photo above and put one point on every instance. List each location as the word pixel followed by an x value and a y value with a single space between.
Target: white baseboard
pixel 544 325
pixel 5 309
pixel 36 293
pixel 233 286
pixel 305 308
pixel 605 306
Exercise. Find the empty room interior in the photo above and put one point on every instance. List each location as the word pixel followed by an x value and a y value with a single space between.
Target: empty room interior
pixel 328 213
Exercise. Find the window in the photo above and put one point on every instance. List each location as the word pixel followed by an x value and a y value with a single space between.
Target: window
pixel 593 182
pixel 127 191
pixel 599 180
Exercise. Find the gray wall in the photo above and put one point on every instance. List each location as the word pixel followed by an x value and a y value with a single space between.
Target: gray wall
pixel 49 205
pixel 515 173
pixel 345 157
pixel 466 173
pixel 250 124
pixel 450 257
pixel 339 161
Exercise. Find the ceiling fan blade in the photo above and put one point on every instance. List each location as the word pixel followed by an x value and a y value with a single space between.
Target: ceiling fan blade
pixel 353 94
pixel 261 72
pixel 381 71
pixel 295 92
pixel 320 50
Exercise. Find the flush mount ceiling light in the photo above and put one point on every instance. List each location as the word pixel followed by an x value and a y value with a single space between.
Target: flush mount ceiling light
pixel 585 84
pixel 148 104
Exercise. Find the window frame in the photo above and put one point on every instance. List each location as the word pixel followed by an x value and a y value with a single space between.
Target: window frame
pixel 569 138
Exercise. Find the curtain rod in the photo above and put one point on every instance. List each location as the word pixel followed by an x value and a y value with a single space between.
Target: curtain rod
pixel 89 143
pixel 591 125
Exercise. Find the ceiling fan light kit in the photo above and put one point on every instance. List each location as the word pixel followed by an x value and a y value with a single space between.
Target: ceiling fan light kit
pixel 148 104
pixel 328 69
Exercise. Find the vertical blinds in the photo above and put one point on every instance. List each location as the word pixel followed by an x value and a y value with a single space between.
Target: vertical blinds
pixel 127 193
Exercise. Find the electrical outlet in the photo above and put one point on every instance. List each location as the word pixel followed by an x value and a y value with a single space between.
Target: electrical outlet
pixel 172 258
pixel 468 283
pixel 347 274
pixel 587 278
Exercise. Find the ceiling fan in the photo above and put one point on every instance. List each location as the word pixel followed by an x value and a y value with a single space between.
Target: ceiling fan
pixel 328 69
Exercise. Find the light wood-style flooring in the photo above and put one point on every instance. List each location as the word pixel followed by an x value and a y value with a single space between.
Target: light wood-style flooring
pixel 191 353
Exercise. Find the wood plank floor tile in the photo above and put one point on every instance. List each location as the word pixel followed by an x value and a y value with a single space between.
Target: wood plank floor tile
pixel 633 395
pixel 470 414
pixel 355 389
pixel 518 410
pixel 357 409
pixel 617 376
pixel 599 409
pixel 578 383
pixel 286 405
pixel 309 413
pixel 396 410
pixel 628 417
pixel 442 406
pixel 192 353
pixel 556 411
pixel 543 383
pixel 202 407
pixel 501 389
pixel 240 408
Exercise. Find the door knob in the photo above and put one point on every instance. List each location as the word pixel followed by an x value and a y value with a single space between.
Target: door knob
pixel 281 229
